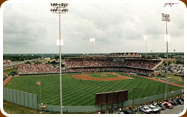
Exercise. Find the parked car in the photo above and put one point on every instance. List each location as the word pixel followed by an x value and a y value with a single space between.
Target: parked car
pixel 128 111
pixel 180 101
pixel 162 106
pixel 120 112
pixel 157 106
pixel 154 108
pixel 173 102
pixel 168 105
pixel 145 109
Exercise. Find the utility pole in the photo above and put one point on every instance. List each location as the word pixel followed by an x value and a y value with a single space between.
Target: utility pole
pixel 133 99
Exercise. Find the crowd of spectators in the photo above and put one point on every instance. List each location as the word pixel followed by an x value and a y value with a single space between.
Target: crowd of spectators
pixel 36 68
pixel 93 65
pixel 144 64
pixel 127 70
pixel 137 66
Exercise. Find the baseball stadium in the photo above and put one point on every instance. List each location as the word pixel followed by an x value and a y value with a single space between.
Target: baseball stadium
pixel 85 76
pixel 100 58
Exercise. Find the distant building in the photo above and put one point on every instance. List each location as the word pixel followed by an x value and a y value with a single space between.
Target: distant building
pixel 47 59
pixel 98 55
pixel 178 56
pixel 53 60
pixel 6 61
pixel 127 54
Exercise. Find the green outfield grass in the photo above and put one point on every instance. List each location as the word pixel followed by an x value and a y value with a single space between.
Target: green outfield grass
pixel 172 78
pixel 82 92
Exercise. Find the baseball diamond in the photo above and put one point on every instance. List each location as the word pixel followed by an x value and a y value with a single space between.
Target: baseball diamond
pixel 78 92
pixel 98 58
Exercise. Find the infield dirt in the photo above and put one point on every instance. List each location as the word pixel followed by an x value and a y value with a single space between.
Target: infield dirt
pixel 87 77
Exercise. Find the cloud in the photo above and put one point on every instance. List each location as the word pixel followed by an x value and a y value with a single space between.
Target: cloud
pixel 116 27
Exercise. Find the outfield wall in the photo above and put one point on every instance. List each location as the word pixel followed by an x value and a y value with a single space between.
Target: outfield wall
pixel 37 74
pixel 21 98
pixel 95 108
pixel 31 100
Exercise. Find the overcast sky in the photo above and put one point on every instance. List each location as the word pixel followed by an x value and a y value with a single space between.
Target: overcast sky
pixel 116 27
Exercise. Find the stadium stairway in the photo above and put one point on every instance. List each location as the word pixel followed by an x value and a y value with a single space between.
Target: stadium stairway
pixel 160 63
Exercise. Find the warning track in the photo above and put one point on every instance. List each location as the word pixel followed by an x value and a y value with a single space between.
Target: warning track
pixel 7 80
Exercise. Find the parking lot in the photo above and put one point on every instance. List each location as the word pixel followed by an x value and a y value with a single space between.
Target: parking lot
pixel 176 110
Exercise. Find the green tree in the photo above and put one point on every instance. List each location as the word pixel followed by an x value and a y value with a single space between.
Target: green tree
pixel 28 62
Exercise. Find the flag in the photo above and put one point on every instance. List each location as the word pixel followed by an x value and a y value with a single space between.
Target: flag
pixel 38 83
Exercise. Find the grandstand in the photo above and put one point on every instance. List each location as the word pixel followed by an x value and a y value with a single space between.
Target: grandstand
pixel 114 62
pixel 122 62
pixel 36 68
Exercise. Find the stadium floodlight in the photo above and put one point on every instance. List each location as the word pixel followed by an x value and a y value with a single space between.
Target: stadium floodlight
pixel 166 18
pixel 59 42
pixel 60 8
pixel 167 38
pixel 59 5
pixel 145 38
pixel 92 40
pixel 57 10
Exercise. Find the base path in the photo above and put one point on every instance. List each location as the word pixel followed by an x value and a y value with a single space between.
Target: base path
pixel 165 82
pixel 152 78
pixel 87 77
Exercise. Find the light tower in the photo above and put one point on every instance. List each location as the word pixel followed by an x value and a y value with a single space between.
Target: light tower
pixel 60 8
pixel 145 38
pixel 166 18
pixel 92 40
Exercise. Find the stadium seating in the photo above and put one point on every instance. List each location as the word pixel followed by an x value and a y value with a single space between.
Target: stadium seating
pixel 145 64
pixel 138 66
pixel 36 68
